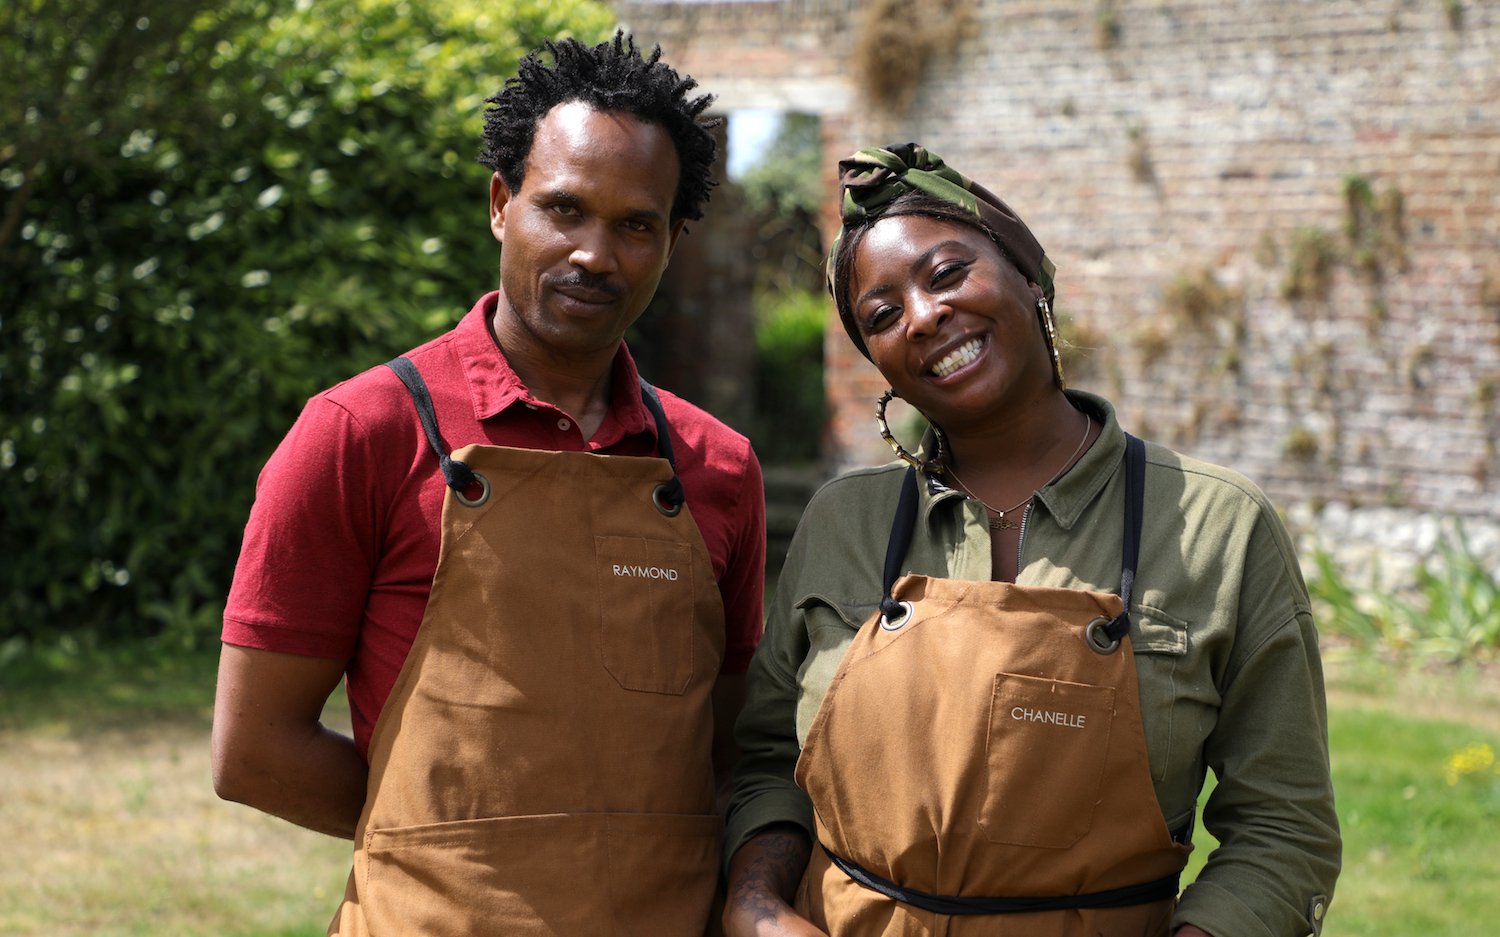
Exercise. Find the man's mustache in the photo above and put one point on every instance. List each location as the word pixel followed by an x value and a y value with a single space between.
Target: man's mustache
pixel 583 280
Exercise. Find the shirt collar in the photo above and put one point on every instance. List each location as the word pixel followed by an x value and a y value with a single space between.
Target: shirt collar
pixel 495 387
pixel 1067 497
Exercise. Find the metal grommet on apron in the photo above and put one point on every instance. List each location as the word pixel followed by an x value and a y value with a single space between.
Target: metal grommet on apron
pixel 668 496
pixel 543 764
pixel 1103 636
pixel 894 615
pixel 1034 799
pixel 469 488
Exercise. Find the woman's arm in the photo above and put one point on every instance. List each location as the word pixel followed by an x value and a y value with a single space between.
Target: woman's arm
pixel 763 879
pixel 1272 810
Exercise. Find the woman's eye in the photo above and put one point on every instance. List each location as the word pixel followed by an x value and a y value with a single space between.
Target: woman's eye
pixel 880 318
pixel 948 272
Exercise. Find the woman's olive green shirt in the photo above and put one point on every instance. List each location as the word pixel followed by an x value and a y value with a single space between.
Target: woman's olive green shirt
pixel 1225 646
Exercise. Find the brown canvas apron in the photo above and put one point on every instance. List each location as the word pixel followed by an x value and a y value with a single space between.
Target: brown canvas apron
pixel 978 765
pixel 543 763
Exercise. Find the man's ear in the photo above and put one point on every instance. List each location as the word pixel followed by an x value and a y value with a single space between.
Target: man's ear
pixel 678 226
pixel 499 200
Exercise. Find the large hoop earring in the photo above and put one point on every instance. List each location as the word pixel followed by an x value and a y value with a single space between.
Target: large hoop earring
pixel 1049 332
pixel 933 464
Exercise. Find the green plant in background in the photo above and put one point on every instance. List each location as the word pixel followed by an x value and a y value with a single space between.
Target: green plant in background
pixel 209 213
pixel 784 192
pixel 790 400
pixel 1452 614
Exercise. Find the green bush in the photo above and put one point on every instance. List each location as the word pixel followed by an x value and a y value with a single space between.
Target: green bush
pixel 789 411
pixel 210 214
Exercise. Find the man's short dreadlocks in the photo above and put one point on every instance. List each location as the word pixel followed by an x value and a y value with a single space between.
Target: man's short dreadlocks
pixel 611 76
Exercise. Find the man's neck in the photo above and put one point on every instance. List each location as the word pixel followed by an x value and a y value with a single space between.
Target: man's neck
pixel 578 387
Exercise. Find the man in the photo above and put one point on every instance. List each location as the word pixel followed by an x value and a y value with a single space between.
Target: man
pixel 541 579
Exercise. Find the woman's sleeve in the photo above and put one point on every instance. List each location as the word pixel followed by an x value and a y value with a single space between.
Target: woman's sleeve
pixel 1272 810
pixel 765 789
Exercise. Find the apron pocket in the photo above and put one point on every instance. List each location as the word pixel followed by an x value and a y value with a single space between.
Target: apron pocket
pixel 646 607
pixel 1045 752
pixel 584 875
pixel 663 869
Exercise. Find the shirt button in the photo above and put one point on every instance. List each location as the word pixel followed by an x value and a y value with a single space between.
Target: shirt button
pixel 564 424
pixel 1318 910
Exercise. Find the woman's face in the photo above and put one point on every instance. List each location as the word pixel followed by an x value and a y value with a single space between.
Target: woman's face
pixel 948 320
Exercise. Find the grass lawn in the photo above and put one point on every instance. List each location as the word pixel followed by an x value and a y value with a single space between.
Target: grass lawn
pixel 112 827
pixel 110 821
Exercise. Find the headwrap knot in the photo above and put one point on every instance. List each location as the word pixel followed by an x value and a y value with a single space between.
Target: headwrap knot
pixel 873 177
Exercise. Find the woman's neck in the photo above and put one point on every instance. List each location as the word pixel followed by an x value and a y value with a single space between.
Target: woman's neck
pixel 1005 460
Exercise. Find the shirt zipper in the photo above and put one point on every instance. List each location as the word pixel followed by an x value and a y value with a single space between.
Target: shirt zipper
pixel 1021 541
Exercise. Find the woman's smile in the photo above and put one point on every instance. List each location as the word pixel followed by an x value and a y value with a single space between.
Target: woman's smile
pixel 964 354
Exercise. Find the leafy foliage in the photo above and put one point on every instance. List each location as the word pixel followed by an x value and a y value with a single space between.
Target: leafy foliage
pixel 210 212
pixel 789 408
pixel 1453 614
pixel 785 192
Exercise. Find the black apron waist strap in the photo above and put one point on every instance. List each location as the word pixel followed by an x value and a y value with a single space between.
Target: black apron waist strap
pixel 1158 890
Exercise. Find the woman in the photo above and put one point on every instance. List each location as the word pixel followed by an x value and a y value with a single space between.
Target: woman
pixel 995 672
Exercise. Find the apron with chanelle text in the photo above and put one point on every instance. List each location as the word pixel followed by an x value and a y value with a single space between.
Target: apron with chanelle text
pixel 978 765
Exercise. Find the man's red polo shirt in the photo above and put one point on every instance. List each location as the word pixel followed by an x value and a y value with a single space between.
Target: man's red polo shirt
pixel 342 541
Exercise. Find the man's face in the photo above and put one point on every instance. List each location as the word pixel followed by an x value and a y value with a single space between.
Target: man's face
pixel 585 240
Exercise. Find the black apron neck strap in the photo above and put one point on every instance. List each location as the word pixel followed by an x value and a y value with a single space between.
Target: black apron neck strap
pixel 905 522
pixel 902 528
pixel 671 492
pixel 1135 504
pixel 461 478
pixel 458 476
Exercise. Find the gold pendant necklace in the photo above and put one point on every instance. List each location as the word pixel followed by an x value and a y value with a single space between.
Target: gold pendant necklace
pixel 999 521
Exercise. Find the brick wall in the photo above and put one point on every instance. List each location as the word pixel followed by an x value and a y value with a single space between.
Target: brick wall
pixel 1180 159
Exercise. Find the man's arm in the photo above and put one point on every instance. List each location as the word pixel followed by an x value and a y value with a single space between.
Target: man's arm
pixel 270 747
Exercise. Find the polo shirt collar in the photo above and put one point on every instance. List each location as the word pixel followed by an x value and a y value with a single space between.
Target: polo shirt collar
pixel 495 387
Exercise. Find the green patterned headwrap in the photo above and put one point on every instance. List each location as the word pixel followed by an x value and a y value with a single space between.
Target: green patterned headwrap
pixel 874 177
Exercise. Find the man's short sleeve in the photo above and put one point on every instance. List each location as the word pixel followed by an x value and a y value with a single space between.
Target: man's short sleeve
pixel 306 563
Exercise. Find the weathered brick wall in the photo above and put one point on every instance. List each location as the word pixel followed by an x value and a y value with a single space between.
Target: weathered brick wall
pixel 1156 143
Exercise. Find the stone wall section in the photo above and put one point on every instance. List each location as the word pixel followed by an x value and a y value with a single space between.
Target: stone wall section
pixel 1157 144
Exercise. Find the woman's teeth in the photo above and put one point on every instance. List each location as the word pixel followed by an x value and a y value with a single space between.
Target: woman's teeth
pixel 957 358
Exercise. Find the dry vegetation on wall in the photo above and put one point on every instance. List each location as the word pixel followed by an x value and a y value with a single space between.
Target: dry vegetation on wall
pixel 1489 290
pixel 1197 298
pixel 893 47
pixel 1309 271
pixel 1375 226
pixel 1106 25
